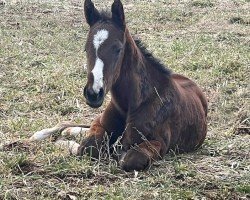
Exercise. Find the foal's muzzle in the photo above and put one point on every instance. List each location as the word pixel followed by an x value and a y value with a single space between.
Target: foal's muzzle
pixel 93 99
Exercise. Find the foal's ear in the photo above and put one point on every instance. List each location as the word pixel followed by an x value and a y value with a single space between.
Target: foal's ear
pixel 118 14
pixel 91 13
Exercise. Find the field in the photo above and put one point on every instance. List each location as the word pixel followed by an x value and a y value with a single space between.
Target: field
pixel 41 79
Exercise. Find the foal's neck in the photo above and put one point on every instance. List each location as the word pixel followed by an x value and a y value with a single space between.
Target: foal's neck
pixel 138 79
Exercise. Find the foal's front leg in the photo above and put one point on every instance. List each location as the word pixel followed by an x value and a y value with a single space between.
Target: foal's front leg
pixel 93 142
pixel 140 157
pixel 110 123
pixel 141 147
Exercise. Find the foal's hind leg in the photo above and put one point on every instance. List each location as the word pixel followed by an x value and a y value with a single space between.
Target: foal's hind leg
pixel 66 128
pixel 142 156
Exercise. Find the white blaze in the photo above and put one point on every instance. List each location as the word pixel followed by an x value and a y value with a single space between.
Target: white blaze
pixel 100 37
pixel 97 71
pixel 98 75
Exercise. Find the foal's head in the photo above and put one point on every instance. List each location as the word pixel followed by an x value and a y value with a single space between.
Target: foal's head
pixel 105 49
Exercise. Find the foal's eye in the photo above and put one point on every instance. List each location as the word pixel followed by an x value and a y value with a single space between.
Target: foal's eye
pixel 117 49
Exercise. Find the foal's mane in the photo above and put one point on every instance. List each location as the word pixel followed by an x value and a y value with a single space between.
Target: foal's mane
pixel 151 59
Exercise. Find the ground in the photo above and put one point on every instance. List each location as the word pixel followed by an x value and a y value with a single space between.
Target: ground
pixel 41 79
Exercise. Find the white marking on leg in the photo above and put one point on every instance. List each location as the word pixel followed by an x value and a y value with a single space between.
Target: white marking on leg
pixel 43 134
pixel 71 145
pixel 74 131
pixel 97 71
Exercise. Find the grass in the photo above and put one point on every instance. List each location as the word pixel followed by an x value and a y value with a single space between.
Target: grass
pixel 202 3
pixel 41 80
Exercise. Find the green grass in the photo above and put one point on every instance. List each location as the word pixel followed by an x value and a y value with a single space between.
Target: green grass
pixel 41 81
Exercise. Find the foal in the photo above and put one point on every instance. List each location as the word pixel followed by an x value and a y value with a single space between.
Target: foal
pixel 151 109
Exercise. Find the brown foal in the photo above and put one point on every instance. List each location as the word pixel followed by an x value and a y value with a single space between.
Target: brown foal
pixel 152 110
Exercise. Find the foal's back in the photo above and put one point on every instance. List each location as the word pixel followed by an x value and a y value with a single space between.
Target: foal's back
pixel 188 125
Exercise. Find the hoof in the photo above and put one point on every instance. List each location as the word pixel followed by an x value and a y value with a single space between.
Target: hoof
pixel 134 160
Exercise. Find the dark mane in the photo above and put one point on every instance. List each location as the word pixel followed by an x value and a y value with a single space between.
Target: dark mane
pixel 154 61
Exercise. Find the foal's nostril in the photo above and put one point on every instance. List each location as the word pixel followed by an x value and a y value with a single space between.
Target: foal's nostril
pixel 91 95
pixel 101 93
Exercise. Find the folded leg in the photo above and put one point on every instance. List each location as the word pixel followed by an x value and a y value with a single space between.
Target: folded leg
pixel 141 157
